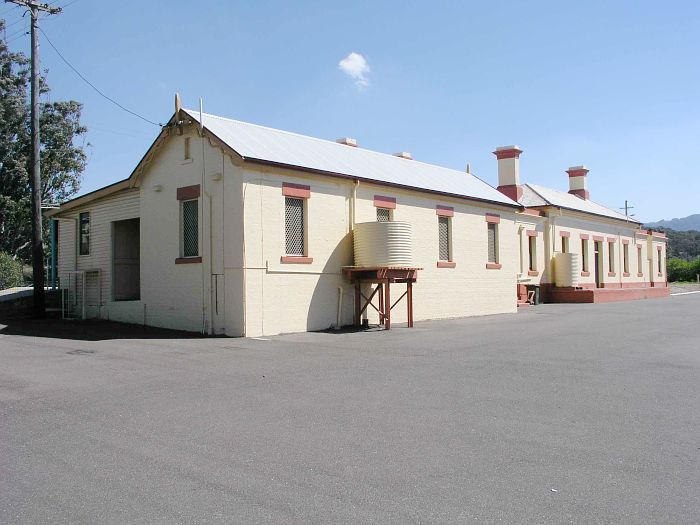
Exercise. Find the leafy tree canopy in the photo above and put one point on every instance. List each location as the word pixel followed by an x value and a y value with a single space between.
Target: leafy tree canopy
pixel 63 156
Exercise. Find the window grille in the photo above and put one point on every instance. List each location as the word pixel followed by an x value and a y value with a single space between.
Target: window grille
pixel 626 258
pixel 611 256
pixel 444 238
pixel 85 233
pixel 493 251
pixel 564 245
pixel 584 255
pixel 190 228
pixel 294 226
pixel 383 215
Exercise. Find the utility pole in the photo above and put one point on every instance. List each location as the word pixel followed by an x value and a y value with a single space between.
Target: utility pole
pixel 627 209
pixel 35 176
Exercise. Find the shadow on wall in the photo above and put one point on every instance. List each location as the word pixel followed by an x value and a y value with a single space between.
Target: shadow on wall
pixel 323 306
pixel 90 330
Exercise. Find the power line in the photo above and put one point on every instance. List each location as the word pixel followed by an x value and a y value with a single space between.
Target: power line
pixel 93 85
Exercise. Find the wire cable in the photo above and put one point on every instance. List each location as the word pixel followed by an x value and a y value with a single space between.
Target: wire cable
pixel 93 85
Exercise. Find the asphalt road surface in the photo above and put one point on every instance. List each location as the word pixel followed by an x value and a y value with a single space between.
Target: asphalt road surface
pixel 557 414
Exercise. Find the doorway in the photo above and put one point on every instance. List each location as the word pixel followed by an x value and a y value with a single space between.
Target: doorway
pixel 126 260
pixel 598 262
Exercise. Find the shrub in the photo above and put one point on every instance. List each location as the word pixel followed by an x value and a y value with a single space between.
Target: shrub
pixel 680 270
pixel 10 272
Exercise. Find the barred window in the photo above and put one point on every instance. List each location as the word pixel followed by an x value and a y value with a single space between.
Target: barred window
pixel 493 242
pixel 626 258
pixel 584 255
pixel 294 235
pixel 190 228
pixel 383 215
pixel 444 238
pixel 84 234
pixel 564 245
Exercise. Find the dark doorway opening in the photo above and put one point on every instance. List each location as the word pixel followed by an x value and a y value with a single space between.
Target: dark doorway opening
pixel 126 260
pixel 598 262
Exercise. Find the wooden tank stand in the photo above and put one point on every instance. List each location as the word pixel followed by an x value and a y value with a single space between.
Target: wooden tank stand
pixel 383 277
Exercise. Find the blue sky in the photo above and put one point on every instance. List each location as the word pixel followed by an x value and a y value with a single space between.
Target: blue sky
pixel 612 85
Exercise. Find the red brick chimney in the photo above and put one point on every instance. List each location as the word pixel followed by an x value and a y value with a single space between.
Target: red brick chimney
pixel 578 185
pixel 509 171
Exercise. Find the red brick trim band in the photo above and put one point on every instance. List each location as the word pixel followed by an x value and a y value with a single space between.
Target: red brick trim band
pixel 535 213
pixel 625 274
pixel 659 248
pixel 187 193
pixel 660 274
pixel 611 274
pixel 300 191
pixel 585 274
pixel 564 234
pixel 512 153
pixel 493 218
pixel 381 201
pixel 532 233
pixel 493 266
pixel 612 239
pixel 598 238
pixel 533 273
pixel 512 191
pixel 577 172
pixel 188 260
pixel 657 234
pixel 444 211
pixel 640 274
pixel 296 259
pixel 625 241
pixel 585 236
pixel 446 264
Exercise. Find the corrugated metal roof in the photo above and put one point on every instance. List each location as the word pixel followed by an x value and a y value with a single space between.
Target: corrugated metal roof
pixel 255 142
pixel 572 202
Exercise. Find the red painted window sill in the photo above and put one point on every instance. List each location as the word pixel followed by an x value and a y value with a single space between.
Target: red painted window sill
pixel 493 266
pixel 611 274
pixel 585 274
pixel 296 259
pixel 533 273
pixel 640 274
pixel 660 274
pixel 446 264
pixel 188 260
pixel 625 274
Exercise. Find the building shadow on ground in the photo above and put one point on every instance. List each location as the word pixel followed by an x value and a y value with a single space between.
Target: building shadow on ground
pixel 89 330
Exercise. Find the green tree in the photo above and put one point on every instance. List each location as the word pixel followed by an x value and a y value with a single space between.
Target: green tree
pixel 63 156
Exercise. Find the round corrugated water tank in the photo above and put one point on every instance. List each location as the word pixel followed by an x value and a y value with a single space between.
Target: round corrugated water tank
pixel 566 269
pixel 383 244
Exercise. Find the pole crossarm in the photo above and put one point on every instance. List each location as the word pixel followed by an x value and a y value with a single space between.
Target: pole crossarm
pixel 45 8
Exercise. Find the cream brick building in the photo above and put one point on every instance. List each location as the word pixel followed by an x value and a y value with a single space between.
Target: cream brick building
pixel 230 228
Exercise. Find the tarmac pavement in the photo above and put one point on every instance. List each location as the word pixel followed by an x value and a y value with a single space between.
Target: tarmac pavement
pixel 556 414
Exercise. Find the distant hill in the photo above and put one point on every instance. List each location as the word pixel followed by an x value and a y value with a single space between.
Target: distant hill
pixel 691 222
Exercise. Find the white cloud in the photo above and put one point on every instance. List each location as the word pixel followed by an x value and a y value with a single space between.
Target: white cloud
pixel 356 67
